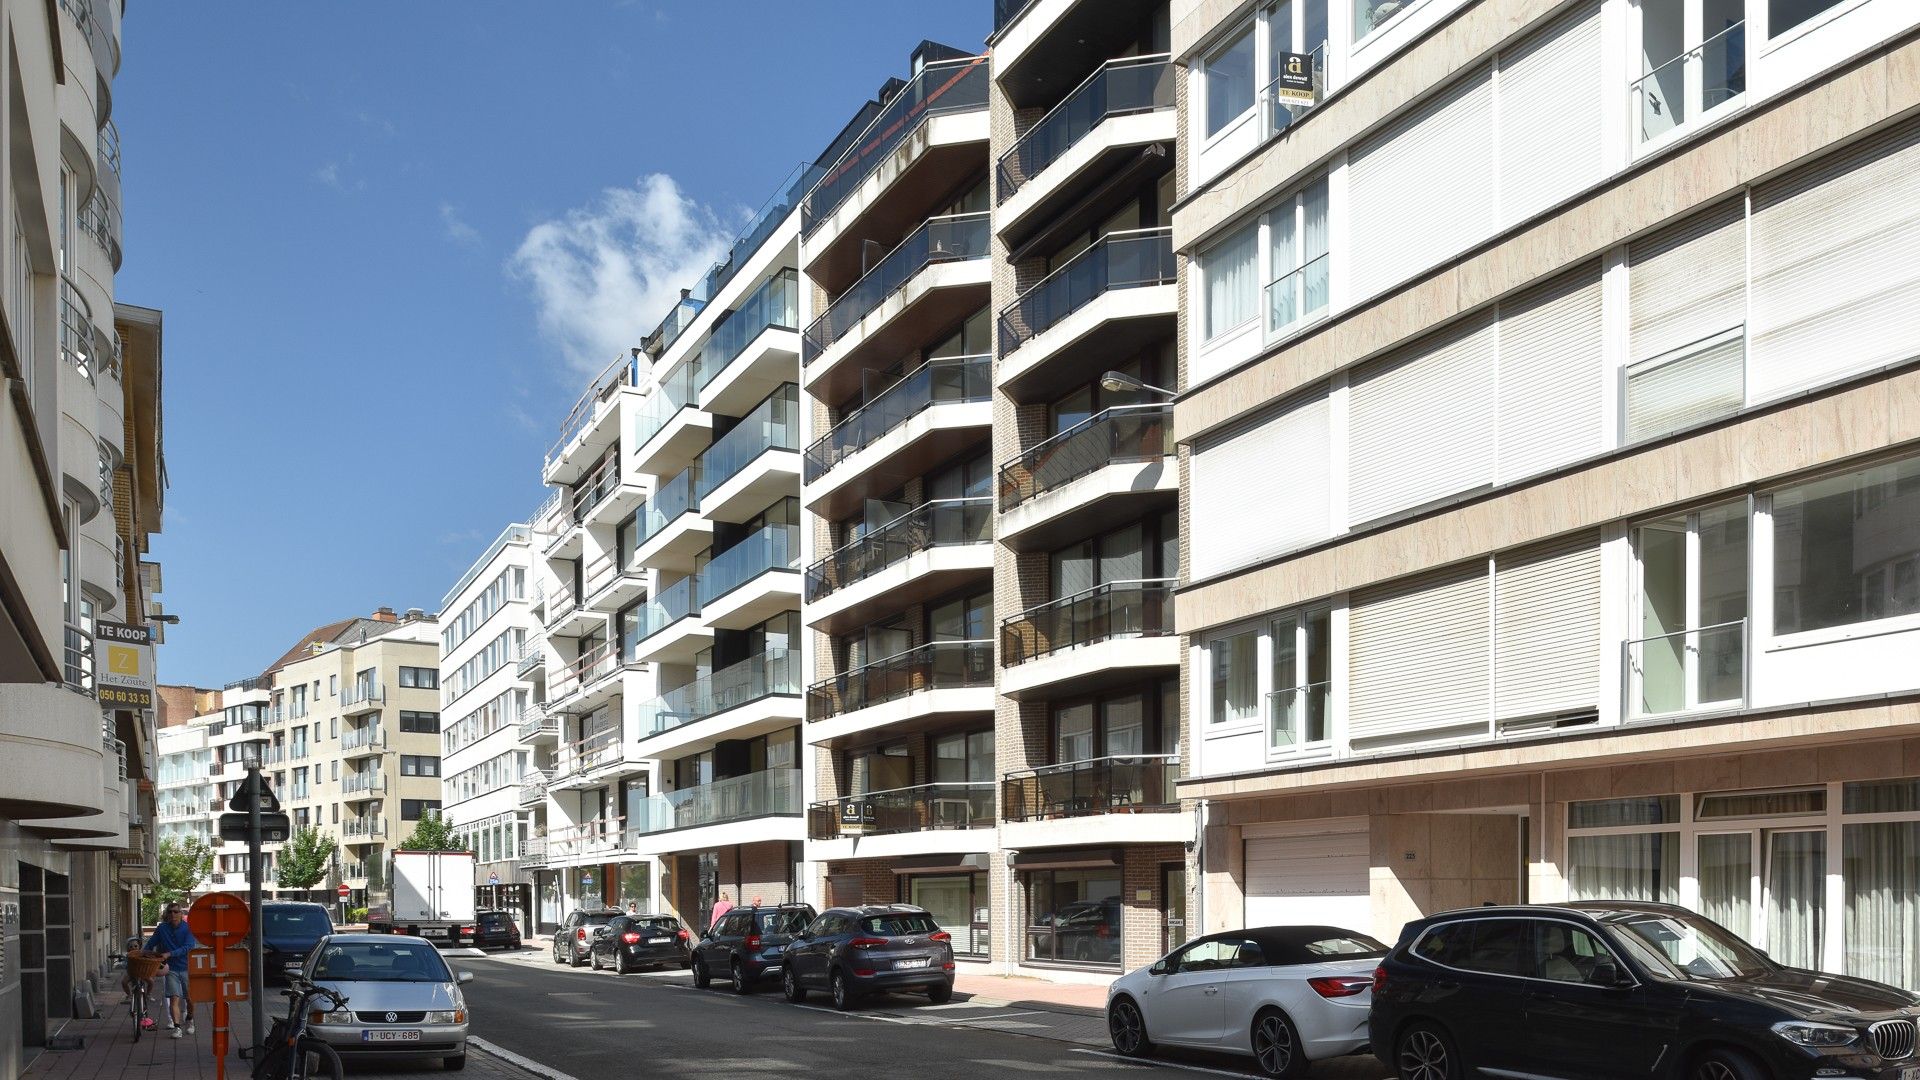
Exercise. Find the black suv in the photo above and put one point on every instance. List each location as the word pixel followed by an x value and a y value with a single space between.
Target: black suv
pixel 289 929
pixel 1622 989
pixel 851 952
pixel 573 942
pixel 749 944
pixel 631 942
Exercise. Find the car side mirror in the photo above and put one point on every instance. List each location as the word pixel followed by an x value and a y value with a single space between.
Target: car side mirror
pixel 802 935
pixel 1608 973
pixel 1160 968
pixel 463 978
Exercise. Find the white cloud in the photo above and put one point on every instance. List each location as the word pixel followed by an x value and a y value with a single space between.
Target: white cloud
pixel 603 275
pixel 457 230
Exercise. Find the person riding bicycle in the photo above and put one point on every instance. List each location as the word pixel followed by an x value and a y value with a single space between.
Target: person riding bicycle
pixel 131 947
pixel 174 940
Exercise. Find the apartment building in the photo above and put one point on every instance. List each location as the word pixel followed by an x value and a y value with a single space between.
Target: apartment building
pixel 83 486
pixel 1550 488
pixel 186 802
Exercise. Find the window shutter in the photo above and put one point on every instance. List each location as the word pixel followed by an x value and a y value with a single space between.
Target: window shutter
pixel 1687 284
pixel 1420 424
pixel 1418 660
pixel 1836 285
pixel 1546 618
pixel 1260 492
pixel 1687 390
pixel 1551 372
pixel 1548 96
pixel 1418 190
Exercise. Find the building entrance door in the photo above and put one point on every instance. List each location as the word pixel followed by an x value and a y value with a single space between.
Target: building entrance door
pixel 1173 885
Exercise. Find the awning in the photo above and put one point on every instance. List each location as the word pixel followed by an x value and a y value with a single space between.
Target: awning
pixel 922 864
pixel 1067 859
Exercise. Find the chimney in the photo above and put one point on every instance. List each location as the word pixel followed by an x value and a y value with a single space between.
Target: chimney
pixel 415 614
pixel 385 614
pixel 686 294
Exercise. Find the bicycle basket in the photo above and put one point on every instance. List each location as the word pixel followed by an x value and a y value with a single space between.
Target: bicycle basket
pixel 140 966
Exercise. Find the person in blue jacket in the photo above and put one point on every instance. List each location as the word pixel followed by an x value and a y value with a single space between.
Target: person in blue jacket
pixel 174 940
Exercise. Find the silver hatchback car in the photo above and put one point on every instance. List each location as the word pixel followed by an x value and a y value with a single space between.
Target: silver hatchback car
pixel 402 999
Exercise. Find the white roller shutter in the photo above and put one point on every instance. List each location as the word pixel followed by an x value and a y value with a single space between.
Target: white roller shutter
pixel 1311 880
pixel 1418 190
pixel 1421 424
pixel 1548 97
pixel 1665 396
pixel 1261 492
pixel 1687 284
pixel 1418 659
pixel 1546 618
pixel 1836 281
pixel 1551 377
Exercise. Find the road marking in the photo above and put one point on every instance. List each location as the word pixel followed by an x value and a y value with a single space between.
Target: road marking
pixel 988 1017
pixel 1148 1064
pixel 512 1058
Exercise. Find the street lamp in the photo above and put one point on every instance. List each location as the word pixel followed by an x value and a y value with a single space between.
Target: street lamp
pixel 1114 382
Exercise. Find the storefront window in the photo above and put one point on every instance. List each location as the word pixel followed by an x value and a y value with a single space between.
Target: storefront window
pixel 1635 866
pixel 1073 915
pixel 635 888
pixel 960 904
pixel 1881 864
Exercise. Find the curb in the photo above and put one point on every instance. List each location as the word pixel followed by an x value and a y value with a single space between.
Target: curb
pixel 526 1064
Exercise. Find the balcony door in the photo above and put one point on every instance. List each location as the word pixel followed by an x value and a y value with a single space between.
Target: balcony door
pixel 1690 651
pixel 1693 61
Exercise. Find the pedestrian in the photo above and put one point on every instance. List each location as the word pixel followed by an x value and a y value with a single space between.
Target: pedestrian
pixel 174 940
pixel 720 909
pixel 633 907
pixel 757 902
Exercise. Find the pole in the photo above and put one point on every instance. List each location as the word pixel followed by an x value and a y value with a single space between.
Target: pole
pixel 256 969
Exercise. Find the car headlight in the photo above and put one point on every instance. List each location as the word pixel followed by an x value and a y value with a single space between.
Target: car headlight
pixel 447 1016
pixel 338 1016
pixel 1806 1033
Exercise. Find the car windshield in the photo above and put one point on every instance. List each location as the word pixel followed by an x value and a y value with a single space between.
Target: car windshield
pixel 1343 945
pixel 897 925
pixel 304 922
pixel 1686 947
pixel 380 961
pixel 783 922
pixel 493 920
pixel 598 918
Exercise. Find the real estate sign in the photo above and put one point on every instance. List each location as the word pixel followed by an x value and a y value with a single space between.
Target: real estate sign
pixel 123 665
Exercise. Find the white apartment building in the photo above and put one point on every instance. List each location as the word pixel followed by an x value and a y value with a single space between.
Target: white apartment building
pixel 186 802
pixel 1549 474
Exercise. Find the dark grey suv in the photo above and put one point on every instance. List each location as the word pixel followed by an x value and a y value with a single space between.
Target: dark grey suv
pixel 851 952
pixel 573 942
pixel 748 945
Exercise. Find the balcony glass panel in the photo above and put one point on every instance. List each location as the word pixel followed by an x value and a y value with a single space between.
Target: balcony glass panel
pixel 940 87
pixel 1298 297
pixel 1005 11
pixel 937 665
pixel 774 424
pixel 1688 670
pixel 771 673
pixel 941 523
pixel 771 547
pixel 945 380
pixel 785 199
pixel 1099 786
pixel 903 810
pixel 1679 88
pixel 675 602
pixel 672 499
pixel 761 794
pixel 1114 610
pixel 775 305
pixel 955 238
pixel 677 391
pixel 1134 84
pixel 1121 260
pixel 1123 433
pixel 684 311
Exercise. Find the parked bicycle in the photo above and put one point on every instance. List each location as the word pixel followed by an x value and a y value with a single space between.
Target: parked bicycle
pixel 287 1053
pixel 141 969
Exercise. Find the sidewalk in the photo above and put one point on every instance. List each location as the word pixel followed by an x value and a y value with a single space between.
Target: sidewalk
pixel 108 1051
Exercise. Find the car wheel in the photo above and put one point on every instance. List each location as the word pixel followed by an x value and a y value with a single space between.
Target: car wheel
pixel 791 987
pixel 1128 1029
pixel 739 974
pixel 620 965
pixel 940 993
pixel 842 992
pixel 573 957
pixel 556 953
pixel 1276 1045
pixel 454 1063
pixel 701 979
pixel 1424 1052
pixel 1725 1065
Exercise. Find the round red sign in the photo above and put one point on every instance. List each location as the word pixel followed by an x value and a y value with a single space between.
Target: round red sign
pixel 345 892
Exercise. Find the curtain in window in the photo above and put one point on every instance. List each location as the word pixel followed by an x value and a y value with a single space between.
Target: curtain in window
pixel 1231 270
pixel 1236 678
pixel 1726 881
pixel 1881 864
pixel 1796 897
pixel 1640 866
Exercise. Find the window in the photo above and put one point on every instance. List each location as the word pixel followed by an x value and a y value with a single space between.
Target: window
pixel 1693 60
pixel 1847 549
pixel 1234 664
pixel 419 765
pixel 1229 271
pixel 1297 272
pixel 1371 15
pixel 420 678
pixel 1073 915
pixel 1216 955
pixel 1501 947
pixel 333 685
pixel 1784 15
pixel 1690 650
pixel 959 903
pixel 1227 78
pixel 426 723
pixel 1566 953
pixel 415 809
pixel 1631 866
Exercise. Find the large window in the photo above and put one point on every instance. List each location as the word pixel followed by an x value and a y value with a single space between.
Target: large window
pixel 1276 268
pixel 1230 270
pixel 1282 671
pixel 959 904
pixel 1784 15
pixel 1846 549
pixel 1073 915
pixel 1693 59
pixel 1227 75
pixel 421 678
pixel 1690 651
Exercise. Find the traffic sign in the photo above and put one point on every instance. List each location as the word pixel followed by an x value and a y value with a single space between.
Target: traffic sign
pixel 254 787
pixel 273 827
pixel 344 892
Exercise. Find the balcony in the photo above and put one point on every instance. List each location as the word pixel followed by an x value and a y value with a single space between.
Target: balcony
pixel 1065 486
pixel 924 552
pixel 602 494
pixel 675 323
pixel 533 788
pixel 1094 133
pixel 361 697
pixel 932 279
pixel 366 829
pixel 762 680
pixel 670 534
pixel 587 680
pixel 767 221
pixel 755 349
pixel 922 808
pixel 666 629
pixel 1089 640
pixel 669 429
pixel 365 785
pixel 598 837
pixel 1114 298
pixel 531 658
pixel 925 418
pixel 936 679
pixel 611 586
pixel 583 756
pixel 1111 785
pixel 1687 671
pixel 774 793
pixel 371 739
pixel 755 462
pixel 536 724
pixel 534 851
pixel 583 438
pixel 733 595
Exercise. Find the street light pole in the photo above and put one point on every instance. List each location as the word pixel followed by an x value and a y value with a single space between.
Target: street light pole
pixel 256 968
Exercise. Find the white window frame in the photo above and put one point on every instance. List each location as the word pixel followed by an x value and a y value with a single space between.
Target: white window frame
pixel 1249 26
pixel 1690 59
pixel 1265 628
pixel 1762 574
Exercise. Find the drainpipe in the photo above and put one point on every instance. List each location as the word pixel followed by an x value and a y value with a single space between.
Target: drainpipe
pixel 1199 886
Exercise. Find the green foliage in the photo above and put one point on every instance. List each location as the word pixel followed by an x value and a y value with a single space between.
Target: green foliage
pixel 305 859
pixel 432 834
pixel 357 915
pixel 183 863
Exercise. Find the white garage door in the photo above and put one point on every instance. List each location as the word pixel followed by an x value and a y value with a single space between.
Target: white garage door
pixel 1313 879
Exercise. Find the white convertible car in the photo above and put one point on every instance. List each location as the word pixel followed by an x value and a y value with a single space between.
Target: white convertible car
pixel 1283 995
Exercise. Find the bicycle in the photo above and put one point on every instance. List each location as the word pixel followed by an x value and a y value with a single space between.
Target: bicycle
pixel 141 970
pixel 287 1053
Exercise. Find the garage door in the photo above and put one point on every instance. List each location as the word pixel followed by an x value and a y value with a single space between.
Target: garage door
pixel 1311 879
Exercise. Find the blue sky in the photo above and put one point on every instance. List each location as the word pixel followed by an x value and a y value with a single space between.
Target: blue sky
pixel 366 354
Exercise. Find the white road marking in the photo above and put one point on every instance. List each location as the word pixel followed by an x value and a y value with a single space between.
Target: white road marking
pixel 526 1063
pixel 1157 1063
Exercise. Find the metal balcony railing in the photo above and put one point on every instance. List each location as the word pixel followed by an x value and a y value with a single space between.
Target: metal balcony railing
pixel 1119 435
pixel 560 603
pixel 762 794
pixel 937 665
pixel 593 403
pixel 955 238
pixel 940 87
pixel 77 668
pixel 535 722
pixel 1119 260
pixel 775 305
pixel 1687 670
pixel 533 788
pixel 531 657
pixel 1140 783
pixel 76 331
pixel 1677 92
pixel 593 490
pixel 586 670
pixel 108 145
pixel 920 808
pixel 588 838
pixel 363 693
pixel 584 755
pixel 534 851
pixel 774 424
pixel 944 380
pixel 942 523
pixel 1297 716
pixel 1123 87
pixel 769 674
pixel 784 201
pixel 1116 609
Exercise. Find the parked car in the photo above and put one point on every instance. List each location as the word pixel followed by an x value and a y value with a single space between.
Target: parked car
pixel 495 930
pixel 401 998
pixel 748 945
pixel 1086 931
pixel 1623 989
pixel 289 930
pixel 1284 995
pixel 631 942
pixel 573 941
pixel 851 952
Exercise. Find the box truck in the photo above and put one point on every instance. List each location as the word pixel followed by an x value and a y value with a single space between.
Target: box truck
pixel 432 897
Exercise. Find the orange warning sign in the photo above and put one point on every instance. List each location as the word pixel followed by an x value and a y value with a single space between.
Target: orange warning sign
pixel 217 971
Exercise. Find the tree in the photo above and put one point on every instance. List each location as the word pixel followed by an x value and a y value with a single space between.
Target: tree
pixel 304 859
pixel 182 864
pixel 432 834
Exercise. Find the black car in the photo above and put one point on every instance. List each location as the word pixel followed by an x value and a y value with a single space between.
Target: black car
pixel 851 952
pixel 1087 931
pixel 289 930
pixel 749 944
pixel 631 942
pixel 495 930
pixel 1622 989
pixel 573 940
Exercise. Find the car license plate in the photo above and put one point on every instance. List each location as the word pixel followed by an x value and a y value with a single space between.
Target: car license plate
pixel 433 931
pixel 390 1036
pixel 658 940
pixel 1911 1072
pixel 293 967
pixel 910 963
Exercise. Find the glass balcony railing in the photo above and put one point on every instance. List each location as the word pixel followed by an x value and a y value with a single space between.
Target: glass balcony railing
pixel 769 548
pixel 371 738
pixel 1115 610
pixel 958 805
pixel 1118 260
pixel 786 198
pixel 941 523
pixel 1284 100
pixel 1681 90
pixel 1297 298
pixel 1124 433
pixel 940 87
pixel 363 693
pixel 775 305
pixel 774 424
pixel 367 783
pixel 944 380
pixel 1109 785
pixel 955 238
pixel 1297 717
pixel 677 391
pixel 681 316
pixel 1687 670
pixel 669 501
pixel 1133 84
pixel 937 665
pixel 761 794
pixel 1005 11
pixel 769 674
pixel 673 603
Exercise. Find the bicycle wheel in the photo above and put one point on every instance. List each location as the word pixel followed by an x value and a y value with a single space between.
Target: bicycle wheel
pixel 316 1059
pixel 137 1004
